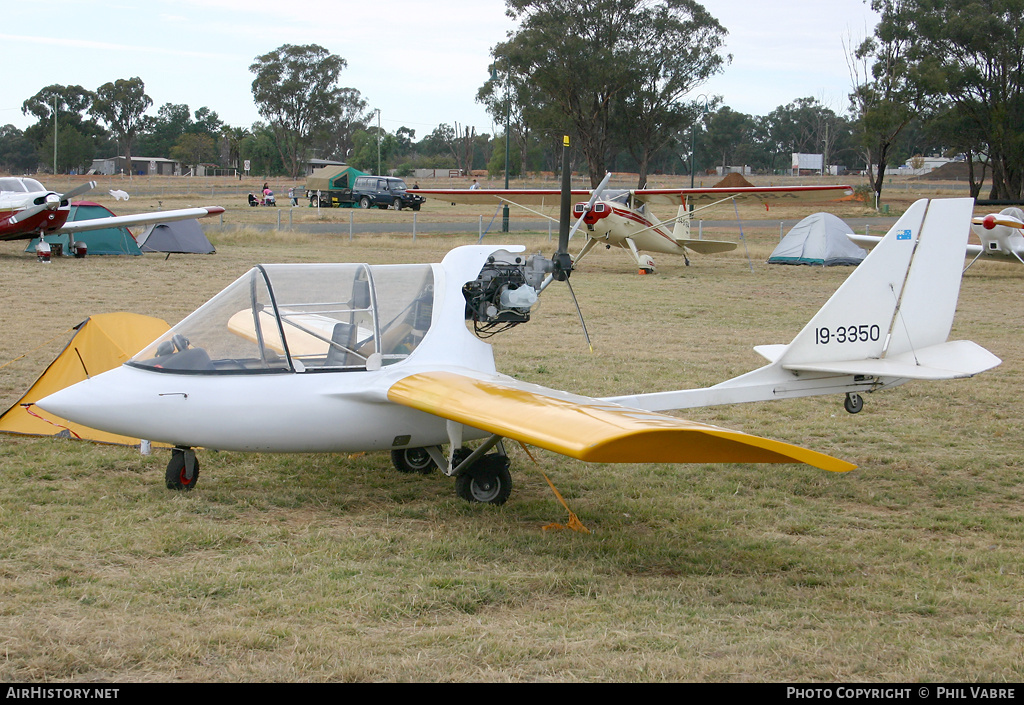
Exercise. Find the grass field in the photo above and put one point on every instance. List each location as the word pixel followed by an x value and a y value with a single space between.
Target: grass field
pixel 328 567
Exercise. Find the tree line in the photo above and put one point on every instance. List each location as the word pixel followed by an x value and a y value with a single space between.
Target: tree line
pixel 622 77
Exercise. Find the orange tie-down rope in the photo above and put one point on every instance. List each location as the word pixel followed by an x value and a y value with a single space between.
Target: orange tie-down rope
pixel 574 522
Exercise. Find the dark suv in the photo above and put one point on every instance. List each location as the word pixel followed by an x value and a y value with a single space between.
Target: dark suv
pixel 384 192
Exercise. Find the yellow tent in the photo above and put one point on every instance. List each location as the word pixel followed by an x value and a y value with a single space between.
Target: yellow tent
pixel 100 343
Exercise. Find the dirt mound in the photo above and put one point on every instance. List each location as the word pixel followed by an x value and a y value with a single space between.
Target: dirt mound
pixel 733 180
pixel 949 172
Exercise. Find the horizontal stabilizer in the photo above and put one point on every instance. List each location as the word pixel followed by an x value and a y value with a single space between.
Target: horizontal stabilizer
pixel 707 247
pixel 950 360
pixel 771 353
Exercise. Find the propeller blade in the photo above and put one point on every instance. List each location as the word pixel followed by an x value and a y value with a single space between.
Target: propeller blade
pixel 590 204
pixel 78 190
pixel 990 221
pixel 24 215
pixel 579 313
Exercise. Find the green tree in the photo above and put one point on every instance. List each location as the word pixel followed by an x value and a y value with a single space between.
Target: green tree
pixel 122 104
pixel 609 72
pixel 675 47
pixel 163 131
pixel 17 153
pixel 78 136
pixel 194 149
pixel 333 140
pixel 727 132
pixel 886 97
pixel 970 54
pixel 259 147
pixel 296 91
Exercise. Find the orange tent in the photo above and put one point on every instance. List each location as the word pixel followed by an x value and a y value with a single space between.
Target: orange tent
pixel 100 343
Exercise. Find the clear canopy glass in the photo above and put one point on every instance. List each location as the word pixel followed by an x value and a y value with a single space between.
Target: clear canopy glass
pixel 302 318
pixel 18 184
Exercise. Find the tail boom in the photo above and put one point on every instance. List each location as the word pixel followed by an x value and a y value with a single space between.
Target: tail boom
pixel 887 323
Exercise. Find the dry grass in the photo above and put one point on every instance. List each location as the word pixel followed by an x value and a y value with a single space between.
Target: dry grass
pixel 319 567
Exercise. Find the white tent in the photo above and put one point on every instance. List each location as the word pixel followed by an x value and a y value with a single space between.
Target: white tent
pixel 819 239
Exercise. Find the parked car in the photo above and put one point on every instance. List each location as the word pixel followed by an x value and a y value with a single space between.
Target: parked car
pixel 384 192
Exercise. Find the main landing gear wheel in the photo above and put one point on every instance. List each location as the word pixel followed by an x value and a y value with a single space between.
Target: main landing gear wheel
pixel 488 481
pixel 177 476
pixel 853 403
pixel 413 460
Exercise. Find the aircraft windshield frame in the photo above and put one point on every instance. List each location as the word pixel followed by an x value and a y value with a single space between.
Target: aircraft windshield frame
pixel 301 318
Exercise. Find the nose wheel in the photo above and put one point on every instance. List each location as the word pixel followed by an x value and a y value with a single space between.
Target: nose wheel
pixel 182 470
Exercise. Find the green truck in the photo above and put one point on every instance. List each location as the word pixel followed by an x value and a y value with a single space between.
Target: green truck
pixel 345 187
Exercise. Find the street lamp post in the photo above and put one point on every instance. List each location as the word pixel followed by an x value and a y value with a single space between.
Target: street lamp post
pixel 378 141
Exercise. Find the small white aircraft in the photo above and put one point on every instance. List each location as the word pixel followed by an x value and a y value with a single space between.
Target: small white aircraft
pixel 358 357
pixel 999 233
pixel 28 210
pixel 622 218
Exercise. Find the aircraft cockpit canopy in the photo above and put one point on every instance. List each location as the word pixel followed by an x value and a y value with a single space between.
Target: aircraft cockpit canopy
pixel 301 318
pixel 15 184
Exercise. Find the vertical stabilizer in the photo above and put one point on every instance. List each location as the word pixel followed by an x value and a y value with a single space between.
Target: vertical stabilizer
pixel 856 320
pixel 681 231
pixel 928 303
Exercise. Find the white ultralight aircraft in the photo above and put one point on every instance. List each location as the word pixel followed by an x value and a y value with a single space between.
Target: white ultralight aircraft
pixel 999 234
pixel 357 357
pixel 622 218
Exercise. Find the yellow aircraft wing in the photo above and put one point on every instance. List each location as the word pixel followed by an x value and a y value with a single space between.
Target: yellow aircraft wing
pixel 590 429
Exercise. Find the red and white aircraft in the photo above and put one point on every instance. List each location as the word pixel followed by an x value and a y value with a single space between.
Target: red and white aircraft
pixel 28 210
pixel 622 218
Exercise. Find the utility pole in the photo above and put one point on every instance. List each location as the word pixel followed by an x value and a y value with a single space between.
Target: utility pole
pixel 55 135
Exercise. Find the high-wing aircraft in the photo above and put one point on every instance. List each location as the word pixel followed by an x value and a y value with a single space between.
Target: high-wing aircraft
pixel 999 233
pixel 28 210
pixel 359 357
pixel 623 218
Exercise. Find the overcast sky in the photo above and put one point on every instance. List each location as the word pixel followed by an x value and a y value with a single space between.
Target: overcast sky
pixel 419 62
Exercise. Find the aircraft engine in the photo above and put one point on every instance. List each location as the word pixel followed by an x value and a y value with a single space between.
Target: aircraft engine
pixel 505 290
pixel 599 211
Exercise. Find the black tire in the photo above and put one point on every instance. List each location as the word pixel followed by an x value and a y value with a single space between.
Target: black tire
pixel 487 482
pixel 398 204
pixel 853 403
pixel 364 202
pixel 314 201
pixel 175 475
pixel 415 206
pixel 413 460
